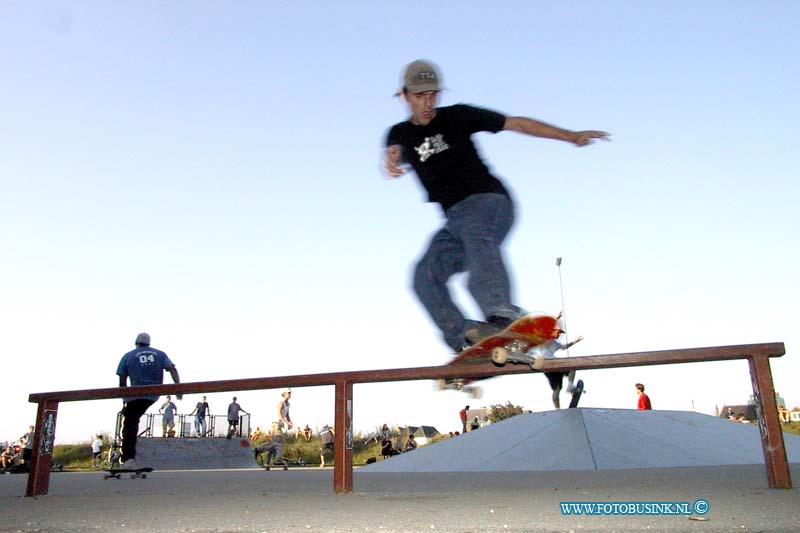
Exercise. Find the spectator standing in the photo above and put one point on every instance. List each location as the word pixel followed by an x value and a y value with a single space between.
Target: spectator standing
pixel 283 410
pixel 144 366
pixel 644 399
pixel 168 419
pixel 462 414
pixel 97 451
pixel 233 417
pixel 200 411
pixel 27 451
pixel 327 436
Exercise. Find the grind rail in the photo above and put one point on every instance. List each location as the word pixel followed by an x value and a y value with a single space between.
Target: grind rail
pixel 757 355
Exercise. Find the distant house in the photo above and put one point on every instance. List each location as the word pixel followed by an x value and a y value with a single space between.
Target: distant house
pixel 422 434
pixel 794 414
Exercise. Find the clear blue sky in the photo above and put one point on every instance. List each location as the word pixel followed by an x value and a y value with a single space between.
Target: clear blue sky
pixel 209 173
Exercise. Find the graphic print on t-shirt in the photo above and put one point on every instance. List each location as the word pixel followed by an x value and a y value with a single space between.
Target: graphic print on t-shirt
pixel 431 146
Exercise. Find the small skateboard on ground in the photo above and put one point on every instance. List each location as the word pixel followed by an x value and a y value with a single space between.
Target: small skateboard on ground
pixel 116 473
pixel 576 394
pixel 510 345
pixel 276 466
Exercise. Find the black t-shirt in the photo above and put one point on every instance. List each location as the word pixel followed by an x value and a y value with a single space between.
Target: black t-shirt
pixel 443 155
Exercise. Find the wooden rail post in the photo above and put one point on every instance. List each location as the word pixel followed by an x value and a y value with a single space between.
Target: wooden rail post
pixel 769 424
pixel 42 456
pixel 343 448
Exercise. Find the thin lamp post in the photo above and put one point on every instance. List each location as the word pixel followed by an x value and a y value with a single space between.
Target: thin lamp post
pixel 563 309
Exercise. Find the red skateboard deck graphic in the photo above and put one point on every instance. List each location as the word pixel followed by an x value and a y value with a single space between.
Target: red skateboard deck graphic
pixel 509 345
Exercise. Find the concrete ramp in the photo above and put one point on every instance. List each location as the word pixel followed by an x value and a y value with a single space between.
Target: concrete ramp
pixel 592 439
pixel 190 454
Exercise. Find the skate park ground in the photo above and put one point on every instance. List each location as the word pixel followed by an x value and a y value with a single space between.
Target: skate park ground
pixel 303 500
pixel 509 476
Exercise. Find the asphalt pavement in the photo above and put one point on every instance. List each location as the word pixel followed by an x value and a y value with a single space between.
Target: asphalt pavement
pixel 737 497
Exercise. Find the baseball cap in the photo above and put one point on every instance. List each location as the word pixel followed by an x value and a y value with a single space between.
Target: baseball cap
pixel 143 338
pixel 420 76
pixel 287 390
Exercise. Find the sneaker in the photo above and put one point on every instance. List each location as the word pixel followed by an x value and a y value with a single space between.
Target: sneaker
pixel 129 464
pixel 480 330
pixel 570 388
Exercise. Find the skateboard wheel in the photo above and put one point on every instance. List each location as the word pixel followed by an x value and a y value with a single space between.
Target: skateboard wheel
pixel 538 362
pixel 499 355
pixel 144 476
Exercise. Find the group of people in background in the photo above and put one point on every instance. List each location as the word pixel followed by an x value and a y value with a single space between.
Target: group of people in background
pixel 17 457
pixel 146 365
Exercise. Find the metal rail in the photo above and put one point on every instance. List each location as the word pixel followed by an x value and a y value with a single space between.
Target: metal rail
pixel 757 355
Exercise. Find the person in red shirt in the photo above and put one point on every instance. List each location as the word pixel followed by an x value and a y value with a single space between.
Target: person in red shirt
pixel 463 415
pixel 644 399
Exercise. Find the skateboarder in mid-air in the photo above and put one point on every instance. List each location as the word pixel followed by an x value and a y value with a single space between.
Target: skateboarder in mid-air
pixel 437 143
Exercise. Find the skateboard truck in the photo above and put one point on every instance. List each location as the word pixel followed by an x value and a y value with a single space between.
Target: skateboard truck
pixel 458 385
pixel 515 353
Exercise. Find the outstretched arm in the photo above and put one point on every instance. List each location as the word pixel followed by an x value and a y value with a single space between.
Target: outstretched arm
pixel 573 343
pixel 535 128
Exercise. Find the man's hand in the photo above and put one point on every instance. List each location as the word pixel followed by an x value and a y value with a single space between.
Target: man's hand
pixel 392 162
pixel 582 138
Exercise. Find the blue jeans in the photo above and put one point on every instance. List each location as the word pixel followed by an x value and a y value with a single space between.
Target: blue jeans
pixel 200 425
pixel 470 241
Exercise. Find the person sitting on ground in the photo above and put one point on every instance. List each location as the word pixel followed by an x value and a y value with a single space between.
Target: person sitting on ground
pixel 398 444
pixel 8 457
pixel 411 444
pixel 387 450
pixel 476 424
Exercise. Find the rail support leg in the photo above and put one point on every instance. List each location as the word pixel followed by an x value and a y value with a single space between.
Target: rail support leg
pixel 42 456
pixel 343 448
pixel 769 424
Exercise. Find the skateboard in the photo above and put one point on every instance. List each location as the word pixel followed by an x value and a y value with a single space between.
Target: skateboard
pixel 576 394
pixel 283 466
pixel 507 346
pixel 116 473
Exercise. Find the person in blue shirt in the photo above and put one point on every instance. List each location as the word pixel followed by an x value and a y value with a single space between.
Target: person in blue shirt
pixel 143 366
